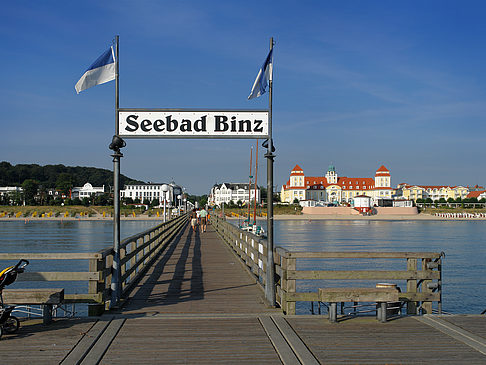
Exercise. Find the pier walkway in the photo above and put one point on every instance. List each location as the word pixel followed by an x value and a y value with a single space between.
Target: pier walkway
pixel 198 305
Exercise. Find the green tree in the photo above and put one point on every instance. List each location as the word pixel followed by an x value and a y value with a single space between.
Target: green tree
pixel 85 201
pixel 146 202
pixel 155 202
pixel 30 188
pixel 64 183
pixel 101 199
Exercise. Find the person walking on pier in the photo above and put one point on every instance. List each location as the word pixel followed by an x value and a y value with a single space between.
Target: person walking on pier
pixel 203 214
pixel 194 220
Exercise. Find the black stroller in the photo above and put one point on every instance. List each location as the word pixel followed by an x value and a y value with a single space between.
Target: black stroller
pixel 9 323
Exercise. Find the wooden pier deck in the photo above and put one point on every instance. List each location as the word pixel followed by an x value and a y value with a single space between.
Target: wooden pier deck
pixel 198 305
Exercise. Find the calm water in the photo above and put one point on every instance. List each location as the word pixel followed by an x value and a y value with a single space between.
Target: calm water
pixel 463 242
pixel 57 236
pixel 464 273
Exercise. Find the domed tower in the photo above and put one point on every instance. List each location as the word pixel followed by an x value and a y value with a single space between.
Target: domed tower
pixel 297 177
pixel 382 178
pixel 331 175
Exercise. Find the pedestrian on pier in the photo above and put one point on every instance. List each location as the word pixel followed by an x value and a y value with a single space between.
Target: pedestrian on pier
pixel 203 214
pixel 193 220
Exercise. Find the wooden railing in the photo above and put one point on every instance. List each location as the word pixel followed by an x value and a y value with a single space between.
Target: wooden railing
pixel 136 255
pixel 420 270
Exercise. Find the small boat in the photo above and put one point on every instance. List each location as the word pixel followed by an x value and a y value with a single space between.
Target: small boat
pixel 253 228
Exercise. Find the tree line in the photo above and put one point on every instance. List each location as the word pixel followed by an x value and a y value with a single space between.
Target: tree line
pixel 36 180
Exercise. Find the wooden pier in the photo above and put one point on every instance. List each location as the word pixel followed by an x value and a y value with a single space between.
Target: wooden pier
pixel 197 303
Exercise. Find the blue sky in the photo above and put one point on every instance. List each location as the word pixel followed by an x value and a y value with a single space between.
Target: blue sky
pixel 356 83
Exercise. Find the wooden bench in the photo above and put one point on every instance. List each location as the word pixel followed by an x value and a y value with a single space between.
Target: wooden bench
pixel 45 297
pixel 340 295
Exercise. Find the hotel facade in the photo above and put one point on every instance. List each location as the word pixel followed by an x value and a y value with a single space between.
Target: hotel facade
pixel 434 192
pixel 233 192
pixel 332 188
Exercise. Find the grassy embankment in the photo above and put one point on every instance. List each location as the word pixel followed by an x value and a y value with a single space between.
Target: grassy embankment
pixel 71 211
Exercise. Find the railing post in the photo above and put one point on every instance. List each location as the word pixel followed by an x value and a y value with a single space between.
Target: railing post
pixel 412 286
pixel 290 287
pixel 283 283
pixel 426 306
pixel 97 287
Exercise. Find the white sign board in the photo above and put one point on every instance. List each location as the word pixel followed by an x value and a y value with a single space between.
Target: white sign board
pixel 173 123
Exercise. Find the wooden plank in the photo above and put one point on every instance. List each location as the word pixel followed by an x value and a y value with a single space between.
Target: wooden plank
pixel 82 348
pixel 33 296
pixel 299 348
pixel 83 298
pixel 476 342
pixel 364 340
pixel 363 255
pixel 412 285
pixel 302 297
pixel 361 275
pixel 283 349
pixel 59 276
pixel 51 256
pixel 314 297
pixel 358 295
pixel 97 351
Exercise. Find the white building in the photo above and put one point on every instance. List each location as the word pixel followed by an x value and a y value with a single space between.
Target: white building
pixel 6 193
pixel 151 191
pixel 226 192
pixel 86 191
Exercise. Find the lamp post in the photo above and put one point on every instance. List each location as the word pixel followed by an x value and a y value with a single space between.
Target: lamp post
pixel 179 199
pixel 165 189
pixel 116 144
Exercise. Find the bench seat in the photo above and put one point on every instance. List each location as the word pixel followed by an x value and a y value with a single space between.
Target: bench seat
pixel 340 295
pixel 45 297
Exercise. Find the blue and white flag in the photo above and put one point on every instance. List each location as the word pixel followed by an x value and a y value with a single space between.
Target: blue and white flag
pixel 102 70
pixel 263 77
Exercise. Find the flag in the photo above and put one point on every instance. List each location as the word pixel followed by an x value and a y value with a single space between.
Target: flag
pixel 263 77
pixel 102 70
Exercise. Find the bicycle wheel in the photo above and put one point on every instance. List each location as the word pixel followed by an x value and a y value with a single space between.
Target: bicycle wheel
pixel 11 325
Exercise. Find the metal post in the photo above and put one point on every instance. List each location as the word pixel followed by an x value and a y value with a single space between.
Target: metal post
pixel 116 270
pixel 270 277
pixel 165 216
pixel 115 279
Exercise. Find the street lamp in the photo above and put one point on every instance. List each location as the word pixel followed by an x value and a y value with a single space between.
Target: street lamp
pixel 179 198
pixel 165 189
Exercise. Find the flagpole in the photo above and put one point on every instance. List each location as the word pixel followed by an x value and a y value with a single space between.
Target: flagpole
pixel 116 269
pixel 270 272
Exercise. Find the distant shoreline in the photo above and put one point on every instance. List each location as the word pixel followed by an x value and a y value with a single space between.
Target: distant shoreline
pixel 383 217
pixel 280 217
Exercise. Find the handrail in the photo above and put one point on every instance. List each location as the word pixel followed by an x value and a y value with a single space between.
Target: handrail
pixel 136 254
pixel 423 272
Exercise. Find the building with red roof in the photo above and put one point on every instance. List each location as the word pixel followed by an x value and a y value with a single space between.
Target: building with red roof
pixel 334 188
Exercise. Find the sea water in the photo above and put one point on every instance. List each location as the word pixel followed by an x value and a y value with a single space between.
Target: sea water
pixel 463 242
pixel 464 269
